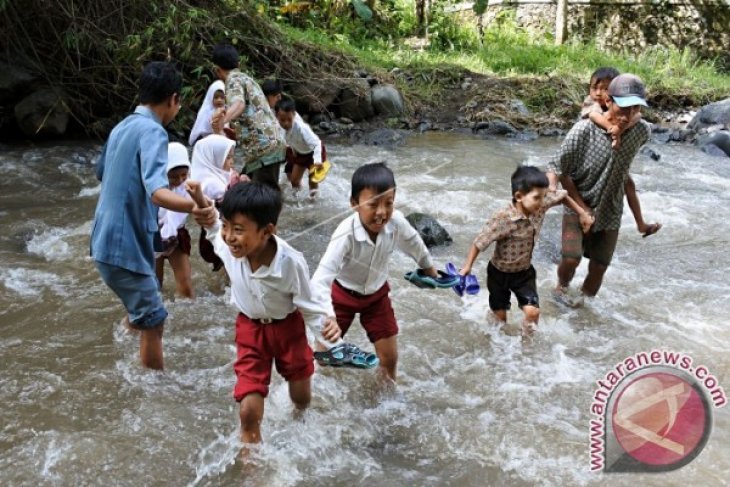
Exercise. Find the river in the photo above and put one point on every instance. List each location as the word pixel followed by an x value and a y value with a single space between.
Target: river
pixel 473 406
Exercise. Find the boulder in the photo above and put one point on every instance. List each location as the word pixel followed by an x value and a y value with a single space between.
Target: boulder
pixel 13 81
pixel 431 231
pixel 387 138
pixel 713 150
pixel 712 114
pixel 355 101
pixel 42 113
pixel 313 97
pixel 495 127
pixel 387 101
pixel 716 140
pixel 519 106
pixel 651 153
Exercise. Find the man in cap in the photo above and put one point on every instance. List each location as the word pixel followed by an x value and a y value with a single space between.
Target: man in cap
pixel 596 177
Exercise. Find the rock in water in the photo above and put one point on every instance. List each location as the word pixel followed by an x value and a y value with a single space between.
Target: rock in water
pixel 42 113
pixel 355 101
pixel 387 138
pixel 649 152
pixel 387 101
pixel 712 114
pixel 717 140
pixel 431 231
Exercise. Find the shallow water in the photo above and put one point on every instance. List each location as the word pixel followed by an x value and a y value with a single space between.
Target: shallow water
pixel 473 407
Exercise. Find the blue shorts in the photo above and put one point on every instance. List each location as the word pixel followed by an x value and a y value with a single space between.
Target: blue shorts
pixel 139 293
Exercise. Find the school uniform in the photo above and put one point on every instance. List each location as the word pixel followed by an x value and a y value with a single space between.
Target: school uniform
pixel 353 273
pixel 304 147
pixel 274 303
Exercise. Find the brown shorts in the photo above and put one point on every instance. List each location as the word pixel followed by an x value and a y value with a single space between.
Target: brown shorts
pixel 596 246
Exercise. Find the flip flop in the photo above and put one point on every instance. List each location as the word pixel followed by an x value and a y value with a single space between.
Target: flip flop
pixel 471 284
pixel 347 355
pixel 425 281
pixel 318 173
pixel 458 288
pixel 653 228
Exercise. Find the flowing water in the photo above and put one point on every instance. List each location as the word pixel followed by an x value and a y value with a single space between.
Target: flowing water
pixel 472 407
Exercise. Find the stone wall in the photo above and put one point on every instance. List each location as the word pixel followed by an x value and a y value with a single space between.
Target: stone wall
pixel 629 26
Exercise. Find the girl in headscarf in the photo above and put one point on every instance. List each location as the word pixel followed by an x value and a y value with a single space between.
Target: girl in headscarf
pixel 213 168
pixel 215 101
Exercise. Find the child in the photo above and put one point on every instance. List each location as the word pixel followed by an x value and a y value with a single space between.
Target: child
pixel 213 106
pixel 304 149
pixel 595 105
pixel 213 168
pixel 515 229
pixel 174 235
pixel 133 173
pixel 272 91
pixel 352 275
pixel 270 288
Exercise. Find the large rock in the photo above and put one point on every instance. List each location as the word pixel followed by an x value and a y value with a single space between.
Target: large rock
pixel 13 81
pixel 382 137
pixel 387 101
pixel 42 113
pixel 355 101
pixel 431 231
pixel 313 97
pixel 712 114
pixel 717 140
pixel 495 127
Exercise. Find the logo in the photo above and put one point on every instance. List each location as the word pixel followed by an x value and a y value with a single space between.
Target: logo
pixel 652 413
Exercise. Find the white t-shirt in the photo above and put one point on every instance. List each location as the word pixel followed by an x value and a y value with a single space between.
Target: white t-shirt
pixel 303 140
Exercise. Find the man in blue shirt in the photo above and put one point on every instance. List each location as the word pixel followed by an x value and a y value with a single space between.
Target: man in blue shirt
pixel 133 171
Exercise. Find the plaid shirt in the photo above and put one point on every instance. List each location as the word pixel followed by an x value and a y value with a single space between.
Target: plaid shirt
pixel 599 172
pixel 515 234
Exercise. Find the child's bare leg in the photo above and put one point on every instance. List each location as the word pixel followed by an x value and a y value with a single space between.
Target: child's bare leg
pixel 150 347
pixel 160 269
pixel 594 279
pixel 529 323
pixel 300 392
pixel 180 263
pixel 297 173
pixel 251 414
pixel 387 351
pixel 500 315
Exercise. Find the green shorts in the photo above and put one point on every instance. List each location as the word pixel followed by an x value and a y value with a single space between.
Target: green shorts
pixel 596 246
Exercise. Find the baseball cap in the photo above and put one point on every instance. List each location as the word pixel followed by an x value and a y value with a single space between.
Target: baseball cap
pixel 177 156
pixel 627 90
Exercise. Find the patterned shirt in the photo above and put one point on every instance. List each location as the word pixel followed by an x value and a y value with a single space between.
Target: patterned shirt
pixel 257 129
pixel 598 171
pixel 515 234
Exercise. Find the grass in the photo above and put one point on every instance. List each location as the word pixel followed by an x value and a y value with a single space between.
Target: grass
pixel 676 78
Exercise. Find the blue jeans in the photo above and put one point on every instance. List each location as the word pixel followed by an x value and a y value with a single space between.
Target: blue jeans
pixel 139 293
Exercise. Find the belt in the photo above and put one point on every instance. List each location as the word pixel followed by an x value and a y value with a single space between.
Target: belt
pixel 264 321
pixel 350 291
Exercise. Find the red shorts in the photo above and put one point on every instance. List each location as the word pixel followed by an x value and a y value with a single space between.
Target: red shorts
pixel 258 345
pixel 304 160
pixel 376 312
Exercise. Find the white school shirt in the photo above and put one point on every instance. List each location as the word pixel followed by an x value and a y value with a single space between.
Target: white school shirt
pixel 361 265
pixel 272 291
pixel 303 140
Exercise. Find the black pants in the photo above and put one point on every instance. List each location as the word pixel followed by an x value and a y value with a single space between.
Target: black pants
pixel 268 175
pixel 500 284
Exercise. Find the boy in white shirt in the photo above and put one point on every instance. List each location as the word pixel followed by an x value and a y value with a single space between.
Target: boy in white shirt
pixel 271 290
pixel 304 148
pixel 352 275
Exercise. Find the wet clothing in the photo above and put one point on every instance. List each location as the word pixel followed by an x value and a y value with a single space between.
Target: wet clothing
pixel 139 293
pixel 376 311
pixel 596 246
pixel 500 284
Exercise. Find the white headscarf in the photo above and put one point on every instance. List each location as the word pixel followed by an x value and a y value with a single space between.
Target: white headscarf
pixel 209 154
pixel 170 221
pixel 202 125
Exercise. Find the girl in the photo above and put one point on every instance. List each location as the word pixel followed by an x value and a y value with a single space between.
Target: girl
pixel 174 235
pixel 212 167
pixel 214 102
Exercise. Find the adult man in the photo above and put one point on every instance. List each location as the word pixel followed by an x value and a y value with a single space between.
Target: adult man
pixel 596 177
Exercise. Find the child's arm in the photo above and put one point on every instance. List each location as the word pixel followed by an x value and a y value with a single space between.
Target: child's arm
pixel 586 218
pixel 167 199
pixel 314 307
pixel 601 121
pixel 496 228
pixel 330 266
pixel 410 242
pixel 313 142
pixel 204 212
pixel 471 257
pixel 635 205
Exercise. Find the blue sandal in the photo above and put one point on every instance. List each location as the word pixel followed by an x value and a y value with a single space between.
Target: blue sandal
pixel 422 280
pixel 468 283
pixel 347 355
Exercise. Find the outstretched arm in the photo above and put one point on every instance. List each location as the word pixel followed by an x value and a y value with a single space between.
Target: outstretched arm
pixel 569 186
pixel 470 258
pixel 635 205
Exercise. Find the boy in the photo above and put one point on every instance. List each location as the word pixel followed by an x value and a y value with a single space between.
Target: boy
pixel 251 118
pixel 515 229
pixel 596 176
pixel 272 91
pixel 304 149
pixel 270 288
pixel 132 169
pixel 595 105
pixel 352 275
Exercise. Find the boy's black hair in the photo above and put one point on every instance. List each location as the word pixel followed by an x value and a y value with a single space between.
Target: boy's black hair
pixel 604 73
pixel 271 87
pixel 525 178
pixel 259 202
pixel 225 56
pixel 158 82
pixel 376 176
pixel 286 105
